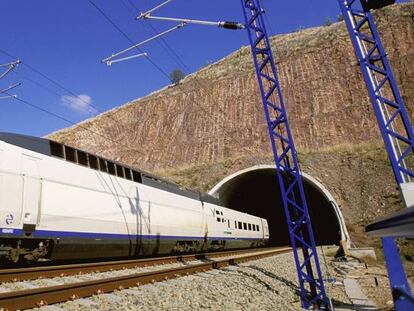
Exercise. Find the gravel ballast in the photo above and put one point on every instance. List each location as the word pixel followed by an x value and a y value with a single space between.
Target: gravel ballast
pixel 265 284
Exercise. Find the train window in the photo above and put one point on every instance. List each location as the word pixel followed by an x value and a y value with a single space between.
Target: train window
pixel 235 224
pixel 128 173
pixel 250 227
pixel 217 212
pixel 244 226
pixel 93 162
pixel 258 228
pixel 240 225
pixel 218 219
pixel 70 154
pixel 223 220
pixel 254 227
pixel 136 176
pixel 102 165
pixel 221 213
pixel 82 158
pixel 56 149
pixel 111 168
pixel 119 171
pixel 228 223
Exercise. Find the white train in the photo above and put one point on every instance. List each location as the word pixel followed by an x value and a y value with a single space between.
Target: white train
pixel 57 202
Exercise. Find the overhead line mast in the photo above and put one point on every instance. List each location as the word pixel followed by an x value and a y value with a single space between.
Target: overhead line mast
pixel 396 131
pixel 286 160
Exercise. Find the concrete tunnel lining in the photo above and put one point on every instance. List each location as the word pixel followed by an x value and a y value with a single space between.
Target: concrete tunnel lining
pixel 255 190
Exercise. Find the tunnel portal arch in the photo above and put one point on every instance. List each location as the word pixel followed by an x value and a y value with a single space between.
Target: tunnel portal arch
pixel 256 191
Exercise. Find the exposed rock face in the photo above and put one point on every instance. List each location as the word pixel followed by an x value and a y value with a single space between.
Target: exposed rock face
pixel 216 113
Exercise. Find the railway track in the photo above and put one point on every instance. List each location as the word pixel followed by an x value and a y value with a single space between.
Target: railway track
pixel 30 298
pixel 33 273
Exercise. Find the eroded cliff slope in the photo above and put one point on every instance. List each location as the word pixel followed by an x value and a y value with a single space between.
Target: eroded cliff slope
pixel 216 113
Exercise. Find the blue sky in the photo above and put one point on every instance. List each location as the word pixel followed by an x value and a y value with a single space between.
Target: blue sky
pixel 65 40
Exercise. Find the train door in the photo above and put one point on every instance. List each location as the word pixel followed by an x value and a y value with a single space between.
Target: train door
pixel 31 193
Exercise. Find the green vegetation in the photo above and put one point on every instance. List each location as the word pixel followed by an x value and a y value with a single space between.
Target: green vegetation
pixel 176 76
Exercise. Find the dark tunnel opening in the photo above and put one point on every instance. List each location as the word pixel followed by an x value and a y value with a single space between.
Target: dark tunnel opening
pixel 257 192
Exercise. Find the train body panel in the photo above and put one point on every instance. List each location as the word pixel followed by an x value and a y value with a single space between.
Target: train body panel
pixel 53 208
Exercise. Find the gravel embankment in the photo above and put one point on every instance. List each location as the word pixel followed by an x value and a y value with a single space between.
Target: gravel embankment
pixel 22 285
pixel 266 284
pixel 31 284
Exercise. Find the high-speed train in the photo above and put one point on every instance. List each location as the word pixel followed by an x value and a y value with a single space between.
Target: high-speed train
pixel 57 202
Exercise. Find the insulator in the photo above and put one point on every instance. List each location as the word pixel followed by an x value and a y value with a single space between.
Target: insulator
pixel 231 25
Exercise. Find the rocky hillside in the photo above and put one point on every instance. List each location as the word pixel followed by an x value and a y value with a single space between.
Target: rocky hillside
pixel 216 113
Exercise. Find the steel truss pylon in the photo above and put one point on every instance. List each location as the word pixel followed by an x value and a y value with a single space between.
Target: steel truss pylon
pixel 392 117
pixel 294 202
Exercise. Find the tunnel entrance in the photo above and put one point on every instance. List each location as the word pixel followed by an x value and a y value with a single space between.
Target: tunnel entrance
pixel 256 191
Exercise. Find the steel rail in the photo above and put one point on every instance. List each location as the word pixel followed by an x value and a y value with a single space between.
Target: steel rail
pixel 25 274
pixel 38 297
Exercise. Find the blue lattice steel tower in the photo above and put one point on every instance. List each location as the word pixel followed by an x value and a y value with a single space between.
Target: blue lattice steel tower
pixel 393 121
pixel 294 202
